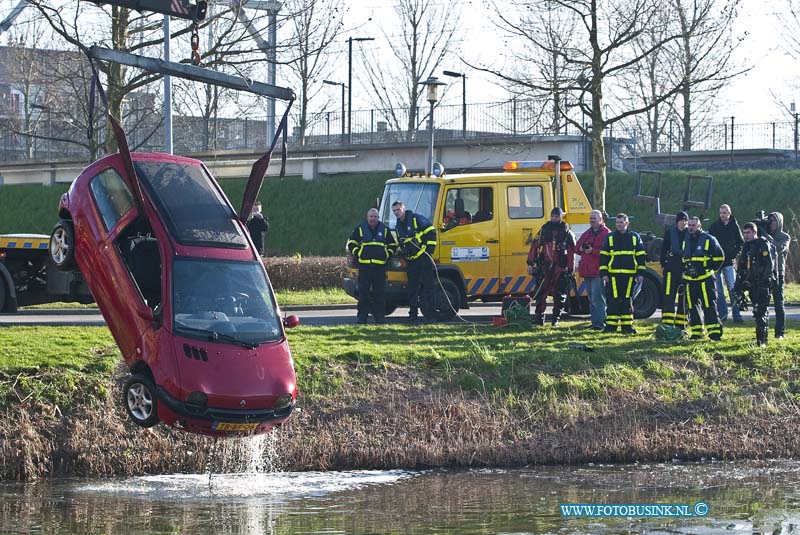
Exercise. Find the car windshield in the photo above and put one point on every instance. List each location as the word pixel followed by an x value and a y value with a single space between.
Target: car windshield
pixel 195 211
pixel 418 197
pixel 223 300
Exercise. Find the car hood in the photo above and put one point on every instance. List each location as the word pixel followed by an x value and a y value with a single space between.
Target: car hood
pixel 234 377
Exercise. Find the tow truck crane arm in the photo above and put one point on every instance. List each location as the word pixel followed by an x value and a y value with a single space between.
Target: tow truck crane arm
pixel 184 9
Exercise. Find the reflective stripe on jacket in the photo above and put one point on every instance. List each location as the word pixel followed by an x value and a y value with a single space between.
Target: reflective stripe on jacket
pixel 702 256
pixel 622 254
pixel 371 246
pixel 416 227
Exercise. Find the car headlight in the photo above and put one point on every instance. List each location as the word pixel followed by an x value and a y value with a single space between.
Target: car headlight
pixel 282 402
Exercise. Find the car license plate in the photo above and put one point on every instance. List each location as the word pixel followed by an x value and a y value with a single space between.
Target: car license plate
pixel 234 427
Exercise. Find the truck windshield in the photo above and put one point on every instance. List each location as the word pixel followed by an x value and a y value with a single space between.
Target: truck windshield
pixel 223 300
pixel 419 197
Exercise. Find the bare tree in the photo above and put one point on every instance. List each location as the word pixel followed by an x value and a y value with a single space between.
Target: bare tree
pixel 705 51
pixel 314 26
pixel 646 82
pixel 428 30
pixel 23 66
pixel 122 29
pixel 602 53
pixel 544 67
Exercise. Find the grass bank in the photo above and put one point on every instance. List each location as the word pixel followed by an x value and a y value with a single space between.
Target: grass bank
pixel 316 217
pixel 444 395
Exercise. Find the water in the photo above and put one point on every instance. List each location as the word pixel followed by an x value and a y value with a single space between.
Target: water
pixel 753 497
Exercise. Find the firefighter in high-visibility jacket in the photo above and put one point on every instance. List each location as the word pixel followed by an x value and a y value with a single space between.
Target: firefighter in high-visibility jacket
pixel 702 257
pixel 417 238
pixel 622 261
pixel 672 269
pixel 371 244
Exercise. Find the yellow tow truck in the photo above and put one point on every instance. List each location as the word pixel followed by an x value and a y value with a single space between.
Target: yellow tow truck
pixel 28 276
pixel 485 225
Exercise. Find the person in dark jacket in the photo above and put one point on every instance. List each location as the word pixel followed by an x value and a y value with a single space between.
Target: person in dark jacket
pixel 371 244
pixel 756 276
pixel 702 257
pixel 672 270
pixel 622 260
pixel 257 225
pixel 552 260
pixel 588 247
pixel 781 240
pixel 729 236
pixel 417 238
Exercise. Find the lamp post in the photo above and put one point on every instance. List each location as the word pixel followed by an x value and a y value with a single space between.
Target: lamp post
pixel 350 84
pixel 432 83
pixel 329 82
pixel 463 99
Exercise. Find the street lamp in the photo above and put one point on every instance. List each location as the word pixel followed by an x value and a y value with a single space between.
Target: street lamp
pixel 329 82
pixel 463 99
pixel 350 84
pixel 432 83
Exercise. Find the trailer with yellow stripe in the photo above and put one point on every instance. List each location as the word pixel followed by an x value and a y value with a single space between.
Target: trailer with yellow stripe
pixel 28 277
pixel 485 225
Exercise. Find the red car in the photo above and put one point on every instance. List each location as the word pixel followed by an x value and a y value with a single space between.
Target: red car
pixel 183 291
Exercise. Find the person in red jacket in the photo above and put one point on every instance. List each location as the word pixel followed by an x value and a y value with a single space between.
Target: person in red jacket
pixel 551 259
pixel 588 248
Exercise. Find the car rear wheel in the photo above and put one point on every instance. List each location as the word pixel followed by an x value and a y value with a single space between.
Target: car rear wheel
pixel 2 293
pixel 139 397
pixel 62 245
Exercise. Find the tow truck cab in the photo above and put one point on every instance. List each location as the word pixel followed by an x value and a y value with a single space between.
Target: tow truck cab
pixel 485 225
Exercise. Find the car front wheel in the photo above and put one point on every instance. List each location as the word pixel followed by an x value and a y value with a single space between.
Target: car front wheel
pixel 138 394
pixel 62 245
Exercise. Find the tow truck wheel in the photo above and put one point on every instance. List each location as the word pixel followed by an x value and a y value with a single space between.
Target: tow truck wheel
pixel 648 300
pixel 139 397
pixel 62 245
pixel 446 299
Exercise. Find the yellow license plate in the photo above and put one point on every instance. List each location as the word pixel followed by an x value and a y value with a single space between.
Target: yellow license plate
pixel 235 427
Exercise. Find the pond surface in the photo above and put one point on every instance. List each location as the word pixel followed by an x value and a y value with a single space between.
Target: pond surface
pixel 752 497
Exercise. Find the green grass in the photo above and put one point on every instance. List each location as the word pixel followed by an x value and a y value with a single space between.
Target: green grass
pixel 53 365
pixel 746 191
pixel 302 219
pixel 322 296
pixel 539 365
pixel 301 212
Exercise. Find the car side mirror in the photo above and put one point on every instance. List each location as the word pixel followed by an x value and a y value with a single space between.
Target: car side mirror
pixel 145 313
pixel 291 322
pixel 158 317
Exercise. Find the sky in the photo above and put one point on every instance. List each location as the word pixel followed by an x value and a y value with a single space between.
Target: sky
pixel 750 97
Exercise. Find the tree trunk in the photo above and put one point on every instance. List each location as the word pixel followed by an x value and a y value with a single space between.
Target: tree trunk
pixel 116 72
pixel 686 120
pixel 599 164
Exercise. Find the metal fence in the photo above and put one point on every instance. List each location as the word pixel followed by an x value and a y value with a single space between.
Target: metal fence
pixel 520 120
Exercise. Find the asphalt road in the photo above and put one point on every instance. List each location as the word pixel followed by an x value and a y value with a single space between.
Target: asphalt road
pixel 315 316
